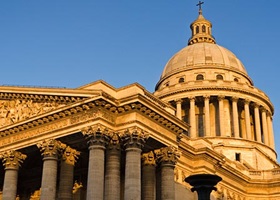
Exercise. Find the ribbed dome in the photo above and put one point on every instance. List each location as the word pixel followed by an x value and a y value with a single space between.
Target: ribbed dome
pixel 202 55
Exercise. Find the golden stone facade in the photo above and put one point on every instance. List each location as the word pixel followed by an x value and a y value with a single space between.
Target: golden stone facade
pixel 101 142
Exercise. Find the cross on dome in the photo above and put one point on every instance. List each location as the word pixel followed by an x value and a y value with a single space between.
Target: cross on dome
pixel 200 6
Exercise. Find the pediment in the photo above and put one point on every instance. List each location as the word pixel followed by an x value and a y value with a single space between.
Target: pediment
pixel 16 110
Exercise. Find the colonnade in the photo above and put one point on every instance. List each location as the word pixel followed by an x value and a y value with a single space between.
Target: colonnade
pixel 104 168
pixel 226 116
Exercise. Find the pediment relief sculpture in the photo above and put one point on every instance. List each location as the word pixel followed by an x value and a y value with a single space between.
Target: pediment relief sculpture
pixel 12 111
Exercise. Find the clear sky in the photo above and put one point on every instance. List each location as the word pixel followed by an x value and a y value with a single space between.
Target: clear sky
pixel 69 43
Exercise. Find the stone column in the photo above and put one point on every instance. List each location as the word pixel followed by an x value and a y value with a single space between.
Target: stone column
pixel 270 130
pixel 11 161
pixel 133 141
pixel 167 158
pixel 247 119
pixel 65 189
pixel 97 138
pixel 148 176
pixel 235 117
pixel 264 126
pixel 113 169
pixel 179 108
pixel 221 115
pixel 50 150
pixel 257 122
pixel 207 116
pixel 192 118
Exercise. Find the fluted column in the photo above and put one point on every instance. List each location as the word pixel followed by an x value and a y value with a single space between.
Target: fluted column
pixel 113 169
pixel 11 161
pixel 207 116
pixel 65 189
pixel 148 176
pixel 247 119
pixel 264 126
pixel 179 108
pixel 133 141
pixel 50 150
pixel 257 122
pixel 221 115
pixel 97 138
pixel 192 117
pixel 167 158
pixel 270 130
pixel 235 117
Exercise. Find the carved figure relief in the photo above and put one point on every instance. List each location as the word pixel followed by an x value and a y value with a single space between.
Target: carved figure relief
pixel 12 111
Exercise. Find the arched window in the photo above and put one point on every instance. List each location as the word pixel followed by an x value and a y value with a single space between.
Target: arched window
pixel 236 79
pixel 166 84
pixel 219 77
pixel 203 29
pixel 199 77
pixel 181 80
pixel 197 29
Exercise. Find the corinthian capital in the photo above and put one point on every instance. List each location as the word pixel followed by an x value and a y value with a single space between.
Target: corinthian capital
pixel 70 155
pixel 148 158
pixel 12 159
pixel 167 155
pixel 96 135
pixel 51 147
pixel 135 137
pixel 114 142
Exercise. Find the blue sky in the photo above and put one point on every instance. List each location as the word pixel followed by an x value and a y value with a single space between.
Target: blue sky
pixel 69 43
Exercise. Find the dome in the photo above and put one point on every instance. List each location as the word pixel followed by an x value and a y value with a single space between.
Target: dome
pixel 203 55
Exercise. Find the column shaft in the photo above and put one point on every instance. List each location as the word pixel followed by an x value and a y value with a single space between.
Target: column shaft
pixel 48 186
pixel 264 127
pixel 167 158
pixel 167 182
pixel 221 115
pixel 66 181
pixel 132 187
pixel 270 130
pixel 11 161
pixel 148 176
pixel 192 118
pixel 113 177
pixel 207 116
pixel 235 117
pixel 179 108
pixel 10 184
pixel 247 120
pixel 95 182
pixel 257 123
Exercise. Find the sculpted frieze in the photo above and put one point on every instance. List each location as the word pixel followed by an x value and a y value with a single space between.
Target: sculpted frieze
pixel 57 125
pixel 12 111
